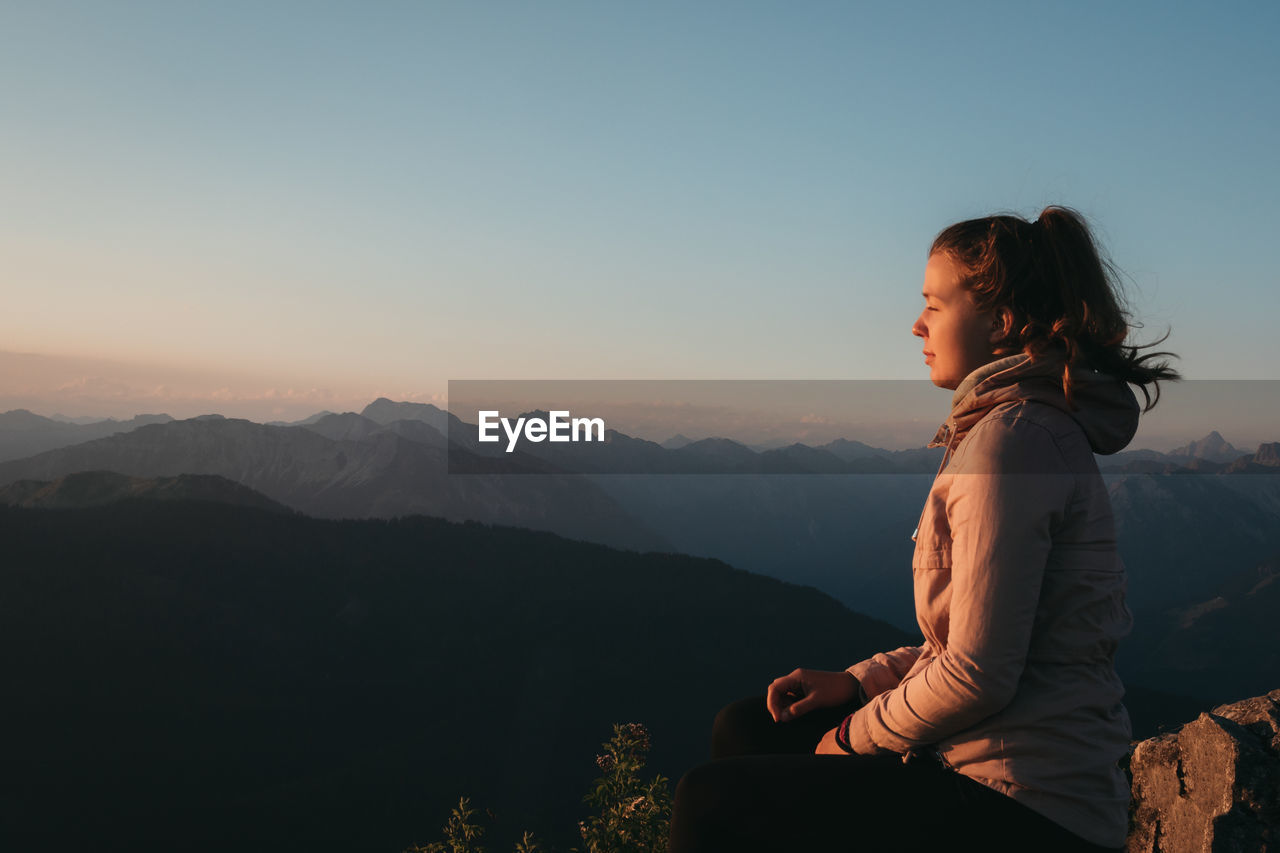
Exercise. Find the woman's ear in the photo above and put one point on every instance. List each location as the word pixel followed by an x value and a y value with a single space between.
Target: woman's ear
pixel 1001 324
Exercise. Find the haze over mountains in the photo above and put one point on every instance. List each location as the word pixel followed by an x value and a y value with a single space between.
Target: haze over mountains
pixel 849 536
pixel 23 434
pixel 766 511
pixel 349 466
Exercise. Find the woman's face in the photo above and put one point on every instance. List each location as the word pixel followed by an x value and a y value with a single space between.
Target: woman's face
pixel 957 337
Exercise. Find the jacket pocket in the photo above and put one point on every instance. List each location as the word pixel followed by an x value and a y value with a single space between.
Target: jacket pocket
pixel 932 584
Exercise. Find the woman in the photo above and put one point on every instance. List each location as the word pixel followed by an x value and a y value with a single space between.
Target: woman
pixel 1004 727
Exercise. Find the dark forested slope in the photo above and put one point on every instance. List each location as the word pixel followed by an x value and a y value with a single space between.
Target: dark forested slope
pixel 192 675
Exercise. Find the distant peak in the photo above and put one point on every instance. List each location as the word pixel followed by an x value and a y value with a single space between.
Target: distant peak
pixel 1212 447
pixel 384 411
pixel 22 419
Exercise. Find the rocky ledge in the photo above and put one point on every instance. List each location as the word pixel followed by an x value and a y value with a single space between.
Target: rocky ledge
pixel 1213 785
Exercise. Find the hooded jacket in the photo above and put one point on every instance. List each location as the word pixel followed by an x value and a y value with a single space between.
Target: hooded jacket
pixel 1019 592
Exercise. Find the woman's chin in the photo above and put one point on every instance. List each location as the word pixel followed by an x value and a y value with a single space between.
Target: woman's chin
pixel 942 381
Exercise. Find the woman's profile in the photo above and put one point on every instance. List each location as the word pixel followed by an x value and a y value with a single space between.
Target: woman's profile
pixel 1004 727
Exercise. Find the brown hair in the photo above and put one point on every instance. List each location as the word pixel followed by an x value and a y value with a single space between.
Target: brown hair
pixel 1064 294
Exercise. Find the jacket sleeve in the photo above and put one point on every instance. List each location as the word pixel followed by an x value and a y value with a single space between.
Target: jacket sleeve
pixel 884 671
pixel 1008 494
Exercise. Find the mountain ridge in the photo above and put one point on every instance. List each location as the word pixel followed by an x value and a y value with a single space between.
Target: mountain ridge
pixel 96 488
pixel 20 428
pixel 391 471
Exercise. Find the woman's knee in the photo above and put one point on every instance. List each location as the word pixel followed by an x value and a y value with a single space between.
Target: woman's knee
pixel 745 713
pixel 741 728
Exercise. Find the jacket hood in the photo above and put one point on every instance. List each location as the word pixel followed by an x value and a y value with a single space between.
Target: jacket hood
pixel 1104 406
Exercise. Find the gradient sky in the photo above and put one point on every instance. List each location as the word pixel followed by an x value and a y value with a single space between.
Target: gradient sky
pixel 271 208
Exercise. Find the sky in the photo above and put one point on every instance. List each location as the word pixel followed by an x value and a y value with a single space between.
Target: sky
pixel 267 209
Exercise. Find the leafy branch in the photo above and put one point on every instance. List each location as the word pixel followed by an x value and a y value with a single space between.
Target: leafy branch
pixel 633 815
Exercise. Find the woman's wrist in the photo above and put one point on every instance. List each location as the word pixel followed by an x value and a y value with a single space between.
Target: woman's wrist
pixel 858 692
pixel 842 734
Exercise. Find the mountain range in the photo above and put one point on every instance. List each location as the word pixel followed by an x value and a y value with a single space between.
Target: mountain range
pixel 1179 535
pixel 848 535
pixel 350 466
pixel 23 433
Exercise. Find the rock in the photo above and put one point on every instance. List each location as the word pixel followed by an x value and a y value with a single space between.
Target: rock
pixel 1268 454
pixel 1214 785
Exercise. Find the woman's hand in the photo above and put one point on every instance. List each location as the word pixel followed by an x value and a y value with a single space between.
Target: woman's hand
pixel 805 690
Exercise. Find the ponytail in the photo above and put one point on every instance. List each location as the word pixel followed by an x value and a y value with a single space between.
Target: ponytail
pixel 1064 295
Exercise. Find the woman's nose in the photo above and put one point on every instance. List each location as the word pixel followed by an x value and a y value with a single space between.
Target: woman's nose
pixel 917 328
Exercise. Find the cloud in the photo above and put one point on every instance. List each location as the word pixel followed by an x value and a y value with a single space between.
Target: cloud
pixel 103 388
pixel 94 387
pixel 415 397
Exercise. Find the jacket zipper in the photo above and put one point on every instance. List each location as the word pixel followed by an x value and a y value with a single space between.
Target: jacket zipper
pixel 949 432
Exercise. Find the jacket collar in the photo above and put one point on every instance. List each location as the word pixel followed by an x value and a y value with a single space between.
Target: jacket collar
pixel 1105 407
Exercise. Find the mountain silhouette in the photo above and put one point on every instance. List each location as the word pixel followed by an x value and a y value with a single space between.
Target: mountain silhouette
pixel 305 421
pixel 384 411
pixel 23 433
pixel 376 473
pixel 677 441
pixel 845 535
pixel 233 677
pixel 95 488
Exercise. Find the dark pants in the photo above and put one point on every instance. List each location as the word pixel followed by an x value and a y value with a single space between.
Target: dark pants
pixel 765 790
